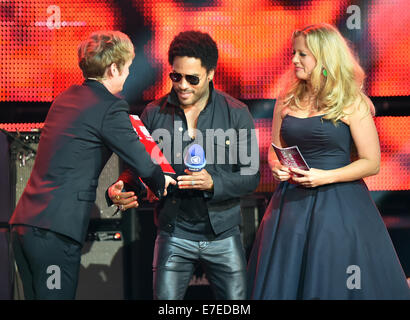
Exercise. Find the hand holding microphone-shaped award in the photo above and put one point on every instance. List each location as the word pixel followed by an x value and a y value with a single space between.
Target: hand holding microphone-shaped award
pixel 197 177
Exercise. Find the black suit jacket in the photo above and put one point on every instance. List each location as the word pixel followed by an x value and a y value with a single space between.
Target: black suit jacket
pixel 85 124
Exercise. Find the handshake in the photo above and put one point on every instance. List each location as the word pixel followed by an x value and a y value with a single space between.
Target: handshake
pixel 128 200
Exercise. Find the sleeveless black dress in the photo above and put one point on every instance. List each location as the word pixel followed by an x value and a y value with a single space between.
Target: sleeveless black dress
pixel 327 242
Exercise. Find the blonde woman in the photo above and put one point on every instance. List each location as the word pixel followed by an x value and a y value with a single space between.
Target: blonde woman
pixel 322 236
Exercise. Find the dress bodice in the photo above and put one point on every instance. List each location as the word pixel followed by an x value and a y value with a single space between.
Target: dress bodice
pixel 323 144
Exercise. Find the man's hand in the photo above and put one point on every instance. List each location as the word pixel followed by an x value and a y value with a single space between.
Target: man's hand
pixel 168 181
pixel 200 180
pixel 151 197
pixel 124 200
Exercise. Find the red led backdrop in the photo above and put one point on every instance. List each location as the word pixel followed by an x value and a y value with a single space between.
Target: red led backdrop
pixel 38 60
pixel 39 40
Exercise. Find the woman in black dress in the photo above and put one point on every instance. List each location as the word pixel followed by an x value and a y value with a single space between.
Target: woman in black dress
pixel 322 236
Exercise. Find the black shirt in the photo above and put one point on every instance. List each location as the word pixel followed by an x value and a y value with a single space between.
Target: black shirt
pixel 192 219
pixel 202 215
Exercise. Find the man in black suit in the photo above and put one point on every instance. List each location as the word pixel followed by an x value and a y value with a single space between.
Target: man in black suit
pixel 198 222
pixel 84 125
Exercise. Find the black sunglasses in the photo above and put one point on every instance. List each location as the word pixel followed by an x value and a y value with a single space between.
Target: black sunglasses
pixel 177 77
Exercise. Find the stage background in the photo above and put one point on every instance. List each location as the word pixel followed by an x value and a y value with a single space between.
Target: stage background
pixel 38 60
pixel 39 40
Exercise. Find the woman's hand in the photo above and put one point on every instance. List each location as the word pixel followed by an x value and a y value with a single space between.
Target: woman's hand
pixel 312 178
pixel 280 172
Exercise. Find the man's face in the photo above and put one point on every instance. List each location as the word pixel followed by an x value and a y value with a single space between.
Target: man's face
pixel 116 78
pixel 191 94
pixel 123 75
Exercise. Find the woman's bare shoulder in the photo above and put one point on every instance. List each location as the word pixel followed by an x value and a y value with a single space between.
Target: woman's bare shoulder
pixel 361 107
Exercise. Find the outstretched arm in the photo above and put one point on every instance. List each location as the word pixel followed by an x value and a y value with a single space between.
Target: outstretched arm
pixel 119 136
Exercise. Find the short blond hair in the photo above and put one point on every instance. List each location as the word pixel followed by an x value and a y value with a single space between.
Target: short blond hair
pixel 343 83
pixel 101 49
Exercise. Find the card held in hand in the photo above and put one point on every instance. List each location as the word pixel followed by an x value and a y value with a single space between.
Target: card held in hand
pixel 291 157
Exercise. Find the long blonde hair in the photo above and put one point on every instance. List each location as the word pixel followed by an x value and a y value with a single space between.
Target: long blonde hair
pixel 344 81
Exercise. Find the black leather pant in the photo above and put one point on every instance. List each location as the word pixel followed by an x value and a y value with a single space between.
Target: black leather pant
pixel 175 261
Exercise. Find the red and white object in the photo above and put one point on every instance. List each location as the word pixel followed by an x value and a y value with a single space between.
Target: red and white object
pixel 150 145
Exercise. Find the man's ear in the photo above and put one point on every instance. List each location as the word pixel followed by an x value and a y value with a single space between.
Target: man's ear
pixel 112 70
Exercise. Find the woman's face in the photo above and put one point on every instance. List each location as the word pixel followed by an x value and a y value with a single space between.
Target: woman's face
pixel 303 59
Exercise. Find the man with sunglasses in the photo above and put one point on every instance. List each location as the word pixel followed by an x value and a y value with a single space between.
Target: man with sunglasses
pixel 198 222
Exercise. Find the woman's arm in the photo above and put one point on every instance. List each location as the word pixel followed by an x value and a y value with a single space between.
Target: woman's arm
pixel 280 172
